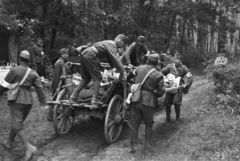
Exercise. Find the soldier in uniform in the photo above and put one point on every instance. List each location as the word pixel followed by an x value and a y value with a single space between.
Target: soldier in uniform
pixel 135 53
pixel 20 109
pixel 178 70
pixel 143 110
pixel 36 55
pixel 60 68
pixel 90 65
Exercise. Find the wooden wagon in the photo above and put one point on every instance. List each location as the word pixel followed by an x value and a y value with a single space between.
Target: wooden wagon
pixel 112 109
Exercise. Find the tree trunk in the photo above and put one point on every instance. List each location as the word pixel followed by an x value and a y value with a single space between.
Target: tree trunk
pixel 171 30
pixel 56 23
pixel 195 34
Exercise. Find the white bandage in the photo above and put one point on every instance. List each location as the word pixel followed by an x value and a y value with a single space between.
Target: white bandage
pixel 5 84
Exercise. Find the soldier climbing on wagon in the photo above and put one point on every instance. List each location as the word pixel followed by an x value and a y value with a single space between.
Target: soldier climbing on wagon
pixel 91 68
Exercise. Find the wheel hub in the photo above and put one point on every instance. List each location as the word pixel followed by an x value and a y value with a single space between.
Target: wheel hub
pixel 118 119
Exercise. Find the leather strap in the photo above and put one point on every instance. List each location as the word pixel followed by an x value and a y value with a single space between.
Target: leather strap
pixel 147 75
pixel 25 76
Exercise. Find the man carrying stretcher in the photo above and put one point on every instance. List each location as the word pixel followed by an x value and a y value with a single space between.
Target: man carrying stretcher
pixel 91 68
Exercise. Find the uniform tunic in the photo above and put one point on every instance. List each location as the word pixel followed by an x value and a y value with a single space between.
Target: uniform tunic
pixel 36 57
pixel 59 69
pixel 21 107
pixel 177 71
pixel 143 110
pixel 135 54
pixel 90 59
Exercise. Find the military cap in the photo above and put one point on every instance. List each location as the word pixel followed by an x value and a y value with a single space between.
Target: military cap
pixel 153 57
pixel 141 39
pixel 24 54
pixel 122 38
pixel 64 51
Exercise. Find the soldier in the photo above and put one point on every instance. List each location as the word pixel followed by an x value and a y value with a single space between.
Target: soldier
pixel 60 68
pixel 90 65
pixel 178 70
pixel 20 109
pixel 36 55
pixel 143 110
pixel 135 53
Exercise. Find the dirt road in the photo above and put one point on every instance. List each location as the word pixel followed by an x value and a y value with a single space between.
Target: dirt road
pixel 86 142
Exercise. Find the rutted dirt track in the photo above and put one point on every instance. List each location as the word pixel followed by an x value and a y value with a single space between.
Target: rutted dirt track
pixel 87 142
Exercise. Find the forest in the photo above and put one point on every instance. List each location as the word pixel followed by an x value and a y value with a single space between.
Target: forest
pixel 196 28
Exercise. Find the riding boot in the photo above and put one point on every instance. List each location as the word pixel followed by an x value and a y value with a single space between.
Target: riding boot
pixel 132 150
pixel 177 111
pixel 168 113
pixel 75 94
pixel 148 136
pixel 96 87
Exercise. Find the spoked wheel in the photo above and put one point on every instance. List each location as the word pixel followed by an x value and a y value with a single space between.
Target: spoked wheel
pixel 63 116
pixel 114 119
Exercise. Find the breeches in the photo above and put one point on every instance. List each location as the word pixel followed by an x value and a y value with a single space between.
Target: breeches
pixel 90 65
pixel 19 113
pixel 173 99
pixel 139 112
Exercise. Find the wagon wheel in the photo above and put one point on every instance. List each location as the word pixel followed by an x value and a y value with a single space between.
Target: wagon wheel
pixel 114 119
pixel 63 116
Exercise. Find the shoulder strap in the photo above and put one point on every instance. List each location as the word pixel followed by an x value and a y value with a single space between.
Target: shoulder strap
pixel 147 75
pixel 25 76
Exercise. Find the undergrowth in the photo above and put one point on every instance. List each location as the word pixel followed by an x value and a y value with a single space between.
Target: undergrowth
pixel 226 86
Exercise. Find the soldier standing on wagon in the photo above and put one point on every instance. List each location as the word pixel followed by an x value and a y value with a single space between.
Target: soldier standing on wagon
pixel 143 109
pixel 20 108
pixel 90 65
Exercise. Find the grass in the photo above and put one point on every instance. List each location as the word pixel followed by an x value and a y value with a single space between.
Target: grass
pixel 37 128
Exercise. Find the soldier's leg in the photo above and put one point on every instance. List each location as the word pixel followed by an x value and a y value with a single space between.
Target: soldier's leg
pixel 148 121
pixel 177 103
pixel 86 77
pixel 168 103
pixel 135 121
pixel 19 113
pixel 177 111
pixel 96 87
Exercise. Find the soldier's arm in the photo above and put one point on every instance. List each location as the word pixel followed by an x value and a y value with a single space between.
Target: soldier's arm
pixel 39 90
pixel 189 77
pixel 112 53
pixel 166 70
pixel 160 86
pixel 128 53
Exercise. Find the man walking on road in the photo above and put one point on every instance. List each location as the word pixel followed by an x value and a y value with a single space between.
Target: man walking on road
pixel 144 108
pixel 20 108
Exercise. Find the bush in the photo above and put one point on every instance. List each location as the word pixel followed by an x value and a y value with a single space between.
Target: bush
pixel 226 86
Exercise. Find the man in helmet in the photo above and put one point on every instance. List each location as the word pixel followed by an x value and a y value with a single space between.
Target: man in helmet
pixel 135 53
pixel 143 109
pixel 20 108
pixel 90 65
